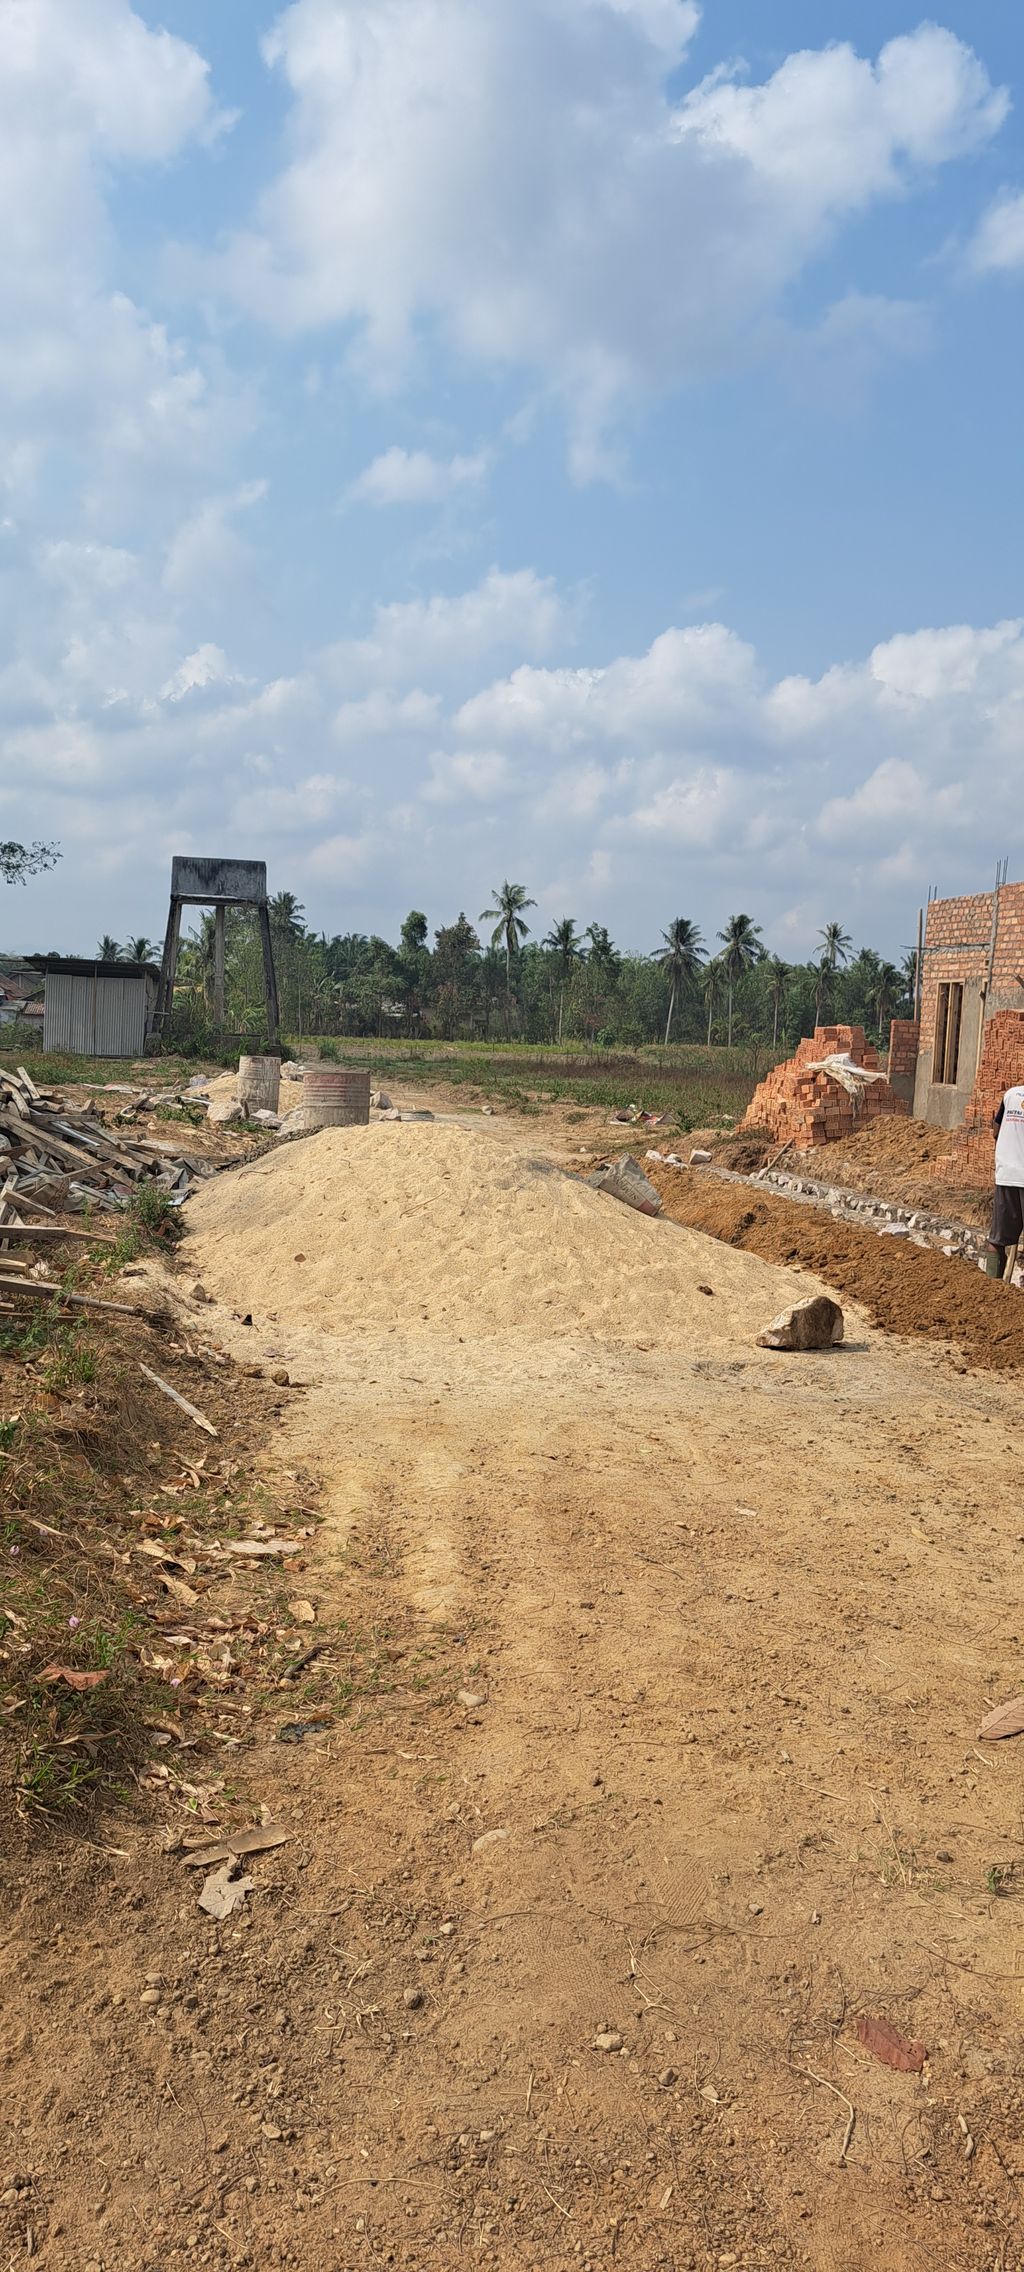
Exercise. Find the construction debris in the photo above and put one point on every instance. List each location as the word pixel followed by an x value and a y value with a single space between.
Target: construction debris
pixel 182 1402
pixel 626 1181
pixel 58 1159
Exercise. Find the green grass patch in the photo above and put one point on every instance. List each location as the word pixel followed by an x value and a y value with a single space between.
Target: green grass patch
pixel 693 1086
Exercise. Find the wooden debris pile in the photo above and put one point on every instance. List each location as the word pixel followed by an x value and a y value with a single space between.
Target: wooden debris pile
pixel 58 1159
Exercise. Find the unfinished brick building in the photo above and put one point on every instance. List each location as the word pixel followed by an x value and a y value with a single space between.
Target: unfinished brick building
pixel 972 1023
pixel 973 967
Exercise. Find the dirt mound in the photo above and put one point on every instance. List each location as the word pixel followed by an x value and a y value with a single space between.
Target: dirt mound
pixel 894 1159
pixel 440 1228
pixel 905 1288
pixel 744 1154
pixel 223 1091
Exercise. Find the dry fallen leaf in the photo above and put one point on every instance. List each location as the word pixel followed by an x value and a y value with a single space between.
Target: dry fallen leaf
pixel 181 1593
pixel 886 2043
pixel 1006 1720
pixel 222 1894
pixel 303 1612
pixel 72 1678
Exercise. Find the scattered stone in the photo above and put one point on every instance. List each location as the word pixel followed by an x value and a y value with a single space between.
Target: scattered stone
pixel 609 2040
pixel 199 1294
pixel 813 1324
pixel 281 1379
pixel 224 1112
pixel 699 1159
pixel 489 1838
pixel 150 1997
pixel 413 1999
pixel 266 1119
pixel 470 1701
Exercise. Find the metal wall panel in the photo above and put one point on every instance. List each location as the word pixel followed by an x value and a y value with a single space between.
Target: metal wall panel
pixel 91 1016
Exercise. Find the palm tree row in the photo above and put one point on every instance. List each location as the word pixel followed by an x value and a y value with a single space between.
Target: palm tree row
pixel 133 950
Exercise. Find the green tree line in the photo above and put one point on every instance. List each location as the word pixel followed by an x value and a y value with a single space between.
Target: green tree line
pixel 493 980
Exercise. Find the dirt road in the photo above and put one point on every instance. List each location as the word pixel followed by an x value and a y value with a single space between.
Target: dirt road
pixel 665 1670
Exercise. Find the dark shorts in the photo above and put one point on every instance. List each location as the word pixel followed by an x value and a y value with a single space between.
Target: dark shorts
pixel 1007 1215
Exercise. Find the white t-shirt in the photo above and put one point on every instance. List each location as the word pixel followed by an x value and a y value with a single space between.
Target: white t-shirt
pixel 1010 1140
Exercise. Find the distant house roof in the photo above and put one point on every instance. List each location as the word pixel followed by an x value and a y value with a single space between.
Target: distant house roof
pixel 19 985
pixel 80 966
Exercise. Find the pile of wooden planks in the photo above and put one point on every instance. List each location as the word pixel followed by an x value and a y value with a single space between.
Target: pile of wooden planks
pixel 58 1159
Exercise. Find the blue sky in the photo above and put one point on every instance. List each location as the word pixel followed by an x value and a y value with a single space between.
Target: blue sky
pixel 571 439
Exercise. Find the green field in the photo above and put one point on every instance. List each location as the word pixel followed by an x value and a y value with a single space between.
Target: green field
pixel 695 1087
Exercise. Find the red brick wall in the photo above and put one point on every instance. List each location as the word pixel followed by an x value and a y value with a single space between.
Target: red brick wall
pixel 956 940
pixel 805 1109
pixel 904 1038
pixel 972 1154
pixel 955 947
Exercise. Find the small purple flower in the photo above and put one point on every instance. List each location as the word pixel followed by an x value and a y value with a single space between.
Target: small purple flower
pixel 15 1550
pixel 73 1624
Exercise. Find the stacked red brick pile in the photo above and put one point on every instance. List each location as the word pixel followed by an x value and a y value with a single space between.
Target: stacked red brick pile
pixel 804 1109
pixel 971 1157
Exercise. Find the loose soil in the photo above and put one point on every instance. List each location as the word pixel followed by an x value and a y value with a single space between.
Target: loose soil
pixel 651 1669
pixel 889 1158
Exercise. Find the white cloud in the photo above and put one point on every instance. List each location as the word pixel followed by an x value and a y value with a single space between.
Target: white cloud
pixel 86 91
pixel 520 178
pixel 442 638
pixel 196 673
pixel 682 776
pixel 998 244
pixel 206 554
pixel 480 773
pixel 413 477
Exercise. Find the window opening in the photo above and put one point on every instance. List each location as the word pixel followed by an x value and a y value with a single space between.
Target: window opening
pixel 948 1019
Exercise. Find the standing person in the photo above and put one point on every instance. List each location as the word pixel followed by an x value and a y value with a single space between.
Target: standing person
pixel 1008 1202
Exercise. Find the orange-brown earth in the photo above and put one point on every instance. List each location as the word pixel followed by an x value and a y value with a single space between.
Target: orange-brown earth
pixel 651 1665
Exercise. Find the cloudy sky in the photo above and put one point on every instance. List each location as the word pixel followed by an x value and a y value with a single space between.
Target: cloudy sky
pixel 577 440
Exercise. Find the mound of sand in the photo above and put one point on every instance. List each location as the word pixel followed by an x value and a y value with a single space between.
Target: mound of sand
pixel 443 1229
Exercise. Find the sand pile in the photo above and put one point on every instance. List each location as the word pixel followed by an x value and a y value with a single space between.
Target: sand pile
pixel 442 1229
pixel 223 1091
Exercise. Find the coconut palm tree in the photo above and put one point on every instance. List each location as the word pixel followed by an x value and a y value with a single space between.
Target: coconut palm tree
pixel 680 958
pixel 137 950
pixel 287 917
pixel 777 974
pixel 714 974
pixel 835 951
pixel 563 941
pixel 886 991
pixel 741 940
pixel 507 918
pixel 109 950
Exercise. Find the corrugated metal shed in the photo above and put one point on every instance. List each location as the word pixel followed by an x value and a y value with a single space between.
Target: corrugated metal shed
pixel 98 1009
